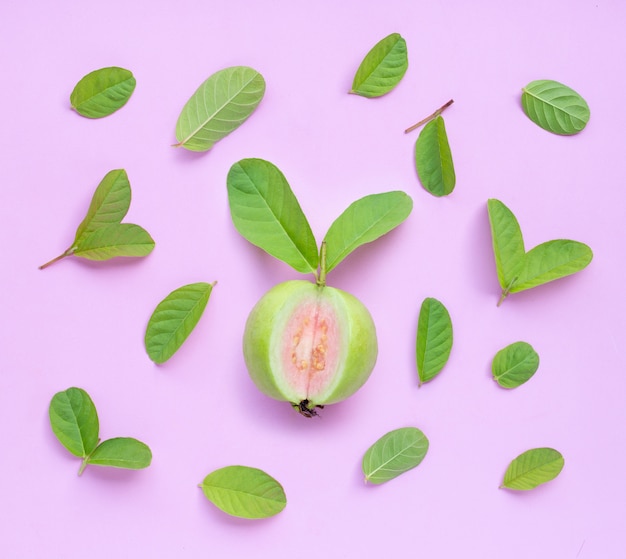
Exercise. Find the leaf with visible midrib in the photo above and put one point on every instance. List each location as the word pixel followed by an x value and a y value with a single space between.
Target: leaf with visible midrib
pixel 102 92
pixel 121 452
pixel 115 239
pixel 434 339
pixel 533 468
pixel 364 221
pixel 74 421
pixel 514 365
pixel 508 243
pixel 433 159
pixel 382 68
pixel 220 105
pixel 174 319
pixel 244 492
pixel 109 204
pixel 266 212
pixel 555 107
pixel 393 454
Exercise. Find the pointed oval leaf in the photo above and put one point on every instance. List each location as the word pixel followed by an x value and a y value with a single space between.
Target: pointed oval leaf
pixel 434 339
pixel 514 365
pixel 109 203
pixel 115 239
pixel 220 105
pixel 508 243
pixel 266 212
pixel 244 492
pixel 382 68
pixel 364 221
pixel 174 319
pixel 550 261
pixel 102 92
pixel 555 107
pixel 532 468
pixel 433 159
pixel 393 454
pixel 121 452
pixel 74 421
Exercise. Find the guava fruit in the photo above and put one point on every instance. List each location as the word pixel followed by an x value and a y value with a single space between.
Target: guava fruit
pixel 309 344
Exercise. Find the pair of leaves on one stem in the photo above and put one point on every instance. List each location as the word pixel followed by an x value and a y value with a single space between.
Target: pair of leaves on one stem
pixel 101 235
pixel 266 212
pixel 75 423
pixel 519 270
pixel 102 92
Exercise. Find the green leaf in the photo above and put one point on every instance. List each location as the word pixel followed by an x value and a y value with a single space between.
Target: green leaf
pixel 550 261
pixel 532 468
pixel 109 204
pixel 121 452
pixel 220 105
pixel 382 68
pixel 115 239
pixel 555 107
pixel 364 221
pixel 508 243
pixel 434 339
pixel 433 159
pixel 514 365
pixel 174 319
pixel 244 492
pixel 102 92
pixel 393 454
pixel 74 421
pixel 266 212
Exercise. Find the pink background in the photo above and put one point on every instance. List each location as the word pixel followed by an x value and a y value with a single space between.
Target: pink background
pixel 82 324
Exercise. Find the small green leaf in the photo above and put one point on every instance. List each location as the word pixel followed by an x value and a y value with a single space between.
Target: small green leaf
pixel 109 203
pixel 221 104
pixel 393 454
pixel 364 221
pixel 555 107
pixel 121 452
pixel 102 92
pixel 434 339
pixel 514 365
pixel 115 239
pixel 532 468
pixel 382 68
pixel 74 421
pixel 174 319
pixel 266 212
pixel 244 492
pixel 433 159
pixel 550 261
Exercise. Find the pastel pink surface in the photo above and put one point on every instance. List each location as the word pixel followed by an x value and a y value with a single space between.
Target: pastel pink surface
pixel 82 324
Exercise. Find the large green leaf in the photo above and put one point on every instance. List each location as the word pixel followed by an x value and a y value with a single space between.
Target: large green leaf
pixel 393 454
pixel 121 452
pixel 550 261
pixel 508 243
pixel 74 421
pixel 382 68
pixel 555 107
pixel 102 92
pixel 220 105
pixel 115 239
pixel 514 365
pixel 266 212
pixel 109 203
pixel 244 492
pixel 433 159
pixel 532 468
pixel 364 221
pixel 434 339
pixel 174 319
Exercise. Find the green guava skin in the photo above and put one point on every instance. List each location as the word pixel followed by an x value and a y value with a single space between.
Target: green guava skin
pixel 265 329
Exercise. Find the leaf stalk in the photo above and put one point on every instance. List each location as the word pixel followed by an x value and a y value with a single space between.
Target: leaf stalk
pixel 68 252
pixel 321 280
pixel 430 117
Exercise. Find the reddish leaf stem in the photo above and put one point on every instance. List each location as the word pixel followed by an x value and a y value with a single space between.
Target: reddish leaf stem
pixel 430 117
